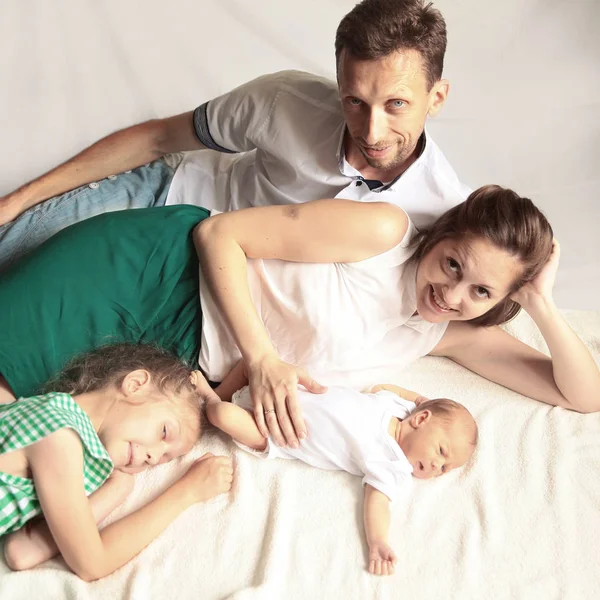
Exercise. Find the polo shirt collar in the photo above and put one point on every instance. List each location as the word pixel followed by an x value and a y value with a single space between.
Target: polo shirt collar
pixel 349 171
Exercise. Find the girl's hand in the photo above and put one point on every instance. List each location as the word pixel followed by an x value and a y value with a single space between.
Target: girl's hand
pixel 541 286
pixel 209 476
pixel 273 387
pixel 382 559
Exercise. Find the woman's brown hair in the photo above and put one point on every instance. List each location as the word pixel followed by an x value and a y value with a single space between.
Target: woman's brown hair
pixel 509 222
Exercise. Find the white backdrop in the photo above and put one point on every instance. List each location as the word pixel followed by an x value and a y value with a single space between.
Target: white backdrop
pixel 523 109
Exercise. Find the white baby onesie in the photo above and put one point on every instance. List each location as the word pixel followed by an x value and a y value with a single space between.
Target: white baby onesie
pixel 348 431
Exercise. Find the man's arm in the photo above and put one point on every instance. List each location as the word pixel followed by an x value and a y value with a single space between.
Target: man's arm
pixel 120 151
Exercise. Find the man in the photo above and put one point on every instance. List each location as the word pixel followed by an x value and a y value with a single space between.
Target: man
pixel 282 138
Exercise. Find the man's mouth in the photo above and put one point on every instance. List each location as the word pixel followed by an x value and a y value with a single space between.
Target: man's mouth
pixel 376 152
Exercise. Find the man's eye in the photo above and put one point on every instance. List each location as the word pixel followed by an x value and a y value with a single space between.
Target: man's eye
pixel 398 103
pixel 354 102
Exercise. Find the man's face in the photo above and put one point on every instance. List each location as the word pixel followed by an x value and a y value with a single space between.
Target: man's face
pixel 385 103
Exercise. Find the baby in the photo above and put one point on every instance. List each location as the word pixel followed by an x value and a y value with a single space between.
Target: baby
pixel 386 435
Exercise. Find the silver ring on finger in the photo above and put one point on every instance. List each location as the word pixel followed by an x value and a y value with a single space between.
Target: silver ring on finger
pixel 268 410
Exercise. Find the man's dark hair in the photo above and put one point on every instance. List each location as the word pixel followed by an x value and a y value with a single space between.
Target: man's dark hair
pixel 374 29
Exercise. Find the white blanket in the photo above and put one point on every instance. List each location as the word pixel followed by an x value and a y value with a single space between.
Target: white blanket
pixel 521 522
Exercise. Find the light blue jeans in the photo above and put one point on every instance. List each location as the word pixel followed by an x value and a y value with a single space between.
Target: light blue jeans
pixel 143 187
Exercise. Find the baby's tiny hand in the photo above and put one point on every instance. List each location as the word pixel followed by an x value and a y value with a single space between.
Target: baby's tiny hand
pixel 209 476
pixel 420 399
pixel 382 559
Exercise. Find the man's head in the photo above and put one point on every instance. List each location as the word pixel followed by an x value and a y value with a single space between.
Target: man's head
pixel 390 56
pixel 439 436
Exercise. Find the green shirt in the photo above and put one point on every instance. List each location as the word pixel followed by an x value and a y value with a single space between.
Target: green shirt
pixel 29 420
pixel 125 276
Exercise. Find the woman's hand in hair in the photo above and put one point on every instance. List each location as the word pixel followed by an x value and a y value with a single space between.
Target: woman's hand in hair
pixel 273 387
pixel 540 287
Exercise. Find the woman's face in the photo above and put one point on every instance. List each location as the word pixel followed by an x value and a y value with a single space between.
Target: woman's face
pixel 458 281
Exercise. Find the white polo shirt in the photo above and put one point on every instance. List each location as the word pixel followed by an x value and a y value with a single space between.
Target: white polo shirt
pixel 279 141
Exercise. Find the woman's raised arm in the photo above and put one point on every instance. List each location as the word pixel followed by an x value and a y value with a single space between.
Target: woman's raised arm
pixel 568 378
pixel 323 231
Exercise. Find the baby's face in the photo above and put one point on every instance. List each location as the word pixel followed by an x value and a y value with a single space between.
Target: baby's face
pixel 434 447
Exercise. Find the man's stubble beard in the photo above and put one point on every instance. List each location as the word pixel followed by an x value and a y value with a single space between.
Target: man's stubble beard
pixel 402 154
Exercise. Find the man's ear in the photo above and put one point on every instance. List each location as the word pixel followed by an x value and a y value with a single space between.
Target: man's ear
pixel 437 96
pixel 420 418
pixel 135 382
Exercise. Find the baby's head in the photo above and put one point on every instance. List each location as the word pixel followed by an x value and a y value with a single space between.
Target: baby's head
pixel 151 411
pixel 440 435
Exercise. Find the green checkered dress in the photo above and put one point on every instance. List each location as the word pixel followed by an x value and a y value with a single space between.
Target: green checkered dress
pixel 29 420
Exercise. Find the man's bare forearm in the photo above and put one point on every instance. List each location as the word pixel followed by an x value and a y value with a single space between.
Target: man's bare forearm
pixel 120 151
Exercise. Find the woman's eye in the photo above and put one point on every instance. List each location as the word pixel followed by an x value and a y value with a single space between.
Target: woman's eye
pixel 482 292
pixel 398 103
pixel 452 264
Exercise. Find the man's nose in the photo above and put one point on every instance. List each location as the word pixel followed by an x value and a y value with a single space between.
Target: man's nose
pixel 374 130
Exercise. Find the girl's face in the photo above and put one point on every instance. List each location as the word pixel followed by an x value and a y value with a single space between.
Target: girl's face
pixel 458 281
pixel 143 434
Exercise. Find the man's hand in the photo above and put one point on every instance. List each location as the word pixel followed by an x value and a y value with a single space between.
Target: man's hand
pixel 11 206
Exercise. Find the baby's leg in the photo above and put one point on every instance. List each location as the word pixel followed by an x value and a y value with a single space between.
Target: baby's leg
pixel 236 422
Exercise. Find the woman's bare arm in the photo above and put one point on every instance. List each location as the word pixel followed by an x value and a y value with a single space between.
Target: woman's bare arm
pixel 569 377
pixel 323 231
pixel 500 357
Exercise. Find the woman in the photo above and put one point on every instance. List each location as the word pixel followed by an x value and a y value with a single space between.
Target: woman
pixel 132 276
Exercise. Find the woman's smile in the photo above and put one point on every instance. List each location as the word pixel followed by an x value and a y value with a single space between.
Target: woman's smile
pixel 438 303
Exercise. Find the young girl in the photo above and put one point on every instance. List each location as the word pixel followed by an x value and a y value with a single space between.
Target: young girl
pixel 387 435
pixel 114 412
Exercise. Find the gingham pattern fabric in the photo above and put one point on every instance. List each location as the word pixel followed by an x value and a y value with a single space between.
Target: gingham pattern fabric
pixel 27 421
